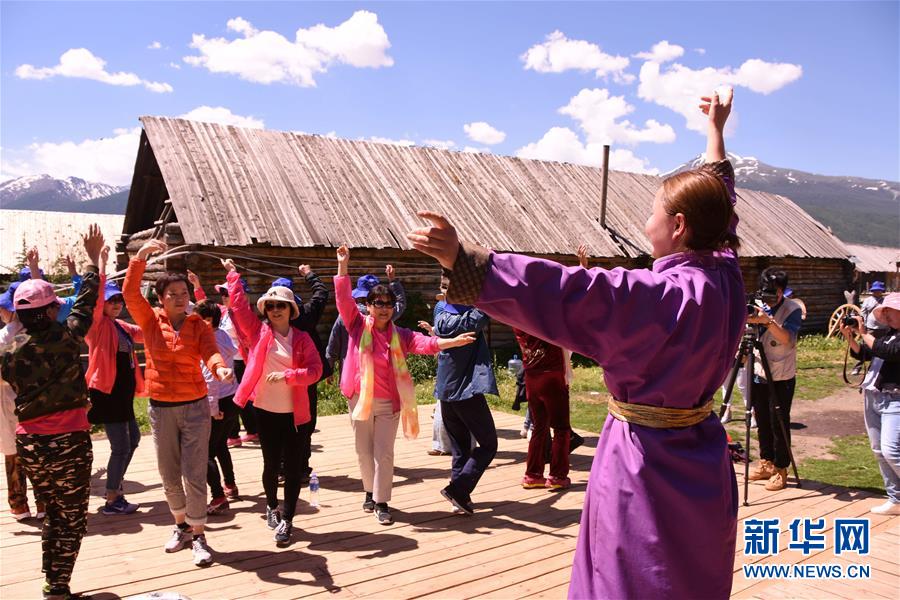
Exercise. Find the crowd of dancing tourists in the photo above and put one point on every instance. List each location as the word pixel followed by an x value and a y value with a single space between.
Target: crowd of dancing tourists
pixel 661 480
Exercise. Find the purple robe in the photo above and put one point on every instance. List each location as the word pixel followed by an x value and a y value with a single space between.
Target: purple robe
pixel 660 512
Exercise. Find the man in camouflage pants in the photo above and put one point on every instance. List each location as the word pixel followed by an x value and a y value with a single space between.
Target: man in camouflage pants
pixel 43 366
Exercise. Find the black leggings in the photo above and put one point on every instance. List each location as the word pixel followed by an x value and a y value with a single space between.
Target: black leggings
pixel 282 441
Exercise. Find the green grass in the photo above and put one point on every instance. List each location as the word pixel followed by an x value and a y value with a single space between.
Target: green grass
pixel 854 467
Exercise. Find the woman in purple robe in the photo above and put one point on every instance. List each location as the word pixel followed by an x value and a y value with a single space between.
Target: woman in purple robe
pixel 660 512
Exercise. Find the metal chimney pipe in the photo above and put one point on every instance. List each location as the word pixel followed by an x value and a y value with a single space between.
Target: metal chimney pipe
pixel 604 185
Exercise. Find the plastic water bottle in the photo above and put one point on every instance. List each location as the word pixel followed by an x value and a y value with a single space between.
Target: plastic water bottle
pixel 514 366
pixel 314 490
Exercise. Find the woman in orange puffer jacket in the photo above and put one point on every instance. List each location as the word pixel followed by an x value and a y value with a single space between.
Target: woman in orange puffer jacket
pixel 175 343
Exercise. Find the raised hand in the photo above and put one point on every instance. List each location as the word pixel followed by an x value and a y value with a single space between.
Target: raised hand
pixel 439 240
pixel 104 260
pixel 70 265
pixel 717 106
pixel 581 253
pixel 93 243
pixel 33 258
pixel 228 264
pixel 192 277
pixel 426 327
pixel 389 271
pixel 343 259
pixel 150 248
pixel 304 270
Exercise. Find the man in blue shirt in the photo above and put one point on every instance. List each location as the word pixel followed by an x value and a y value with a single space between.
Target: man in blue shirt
pixel 464 376
pixel 779 327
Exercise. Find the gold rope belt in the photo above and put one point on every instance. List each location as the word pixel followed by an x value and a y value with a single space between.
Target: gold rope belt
pixel 658 417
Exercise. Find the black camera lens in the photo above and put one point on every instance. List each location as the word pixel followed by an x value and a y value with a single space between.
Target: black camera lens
pixel 849 321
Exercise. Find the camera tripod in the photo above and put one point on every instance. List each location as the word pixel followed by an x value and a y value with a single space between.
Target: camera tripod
pixel 749 342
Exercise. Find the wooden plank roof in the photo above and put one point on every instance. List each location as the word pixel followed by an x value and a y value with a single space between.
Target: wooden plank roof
pixel 233 186
pixel 875 259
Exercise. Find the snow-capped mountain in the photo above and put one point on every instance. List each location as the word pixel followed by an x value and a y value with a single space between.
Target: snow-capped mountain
pixel 858 210
pixel 72 194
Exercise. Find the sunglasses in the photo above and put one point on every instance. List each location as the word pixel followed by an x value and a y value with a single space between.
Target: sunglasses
pixel 380 304
pixel 276 306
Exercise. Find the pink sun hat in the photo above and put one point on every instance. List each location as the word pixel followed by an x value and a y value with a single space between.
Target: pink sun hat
pixel 35 293
pixel 890 301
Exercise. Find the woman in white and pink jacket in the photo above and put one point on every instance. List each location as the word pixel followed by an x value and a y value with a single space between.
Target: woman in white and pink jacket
pixel 282 363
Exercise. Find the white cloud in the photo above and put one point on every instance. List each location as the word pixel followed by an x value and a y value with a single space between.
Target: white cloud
pixel 269 57
pixel 679 88
pixel 222 116
pixel 559 54
pixel 661 52
pixel 82 64
pixel 476 150
pixel 175 65
pixel 154 46
pixel 442 144
pixel 700 51
pixel 562 144
pixel 598 114
pixel 105 159
pixel 483 133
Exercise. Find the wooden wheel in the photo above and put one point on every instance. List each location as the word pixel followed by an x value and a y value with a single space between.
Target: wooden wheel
pixel 844 310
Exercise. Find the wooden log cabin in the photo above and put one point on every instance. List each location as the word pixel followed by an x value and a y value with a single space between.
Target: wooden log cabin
pixel 268 197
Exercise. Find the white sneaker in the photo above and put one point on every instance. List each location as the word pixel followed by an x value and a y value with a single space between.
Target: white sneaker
pixel 40 515
pixel 202 555
pixel 727 415
pixel 179 540
pixel 22 515
pixel 888 508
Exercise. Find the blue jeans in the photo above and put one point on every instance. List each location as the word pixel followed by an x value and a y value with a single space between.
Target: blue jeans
pixel 882 412
pixel 123 439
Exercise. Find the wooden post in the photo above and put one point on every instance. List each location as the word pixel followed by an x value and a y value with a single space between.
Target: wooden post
pixel 604 185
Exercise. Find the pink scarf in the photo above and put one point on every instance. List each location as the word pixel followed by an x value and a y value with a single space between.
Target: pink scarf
pixel 409 412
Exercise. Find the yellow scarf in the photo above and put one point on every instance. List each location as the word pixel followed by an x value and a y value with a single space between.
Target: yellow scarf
pixel 409 412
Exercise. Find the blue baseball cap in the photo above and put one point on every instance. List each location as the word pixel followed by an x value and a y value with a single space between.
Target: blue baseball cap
pixel 284 282
pixel 25 274
pixel 110 290
pixel 788 292
pixel 6 298
pixel 364 285
pixel 877 286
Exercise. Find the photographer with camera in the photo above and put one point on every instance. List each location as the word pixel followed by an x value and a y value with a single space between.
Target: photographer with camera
pixel 882 393
pixel 779 321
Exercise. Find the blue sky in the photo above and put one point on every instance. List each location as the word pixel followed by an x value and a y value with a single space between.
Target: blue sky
pixel 816 84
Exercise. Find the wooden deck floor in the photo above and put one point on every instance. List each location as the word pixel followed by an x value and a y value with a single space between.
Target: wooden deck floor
pixel 518 544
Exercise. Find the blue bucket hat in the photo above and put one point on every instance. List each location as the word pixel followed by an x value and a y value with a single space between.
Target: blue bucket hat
pixel 456 309
pixel 25 274
pixel 110 290
pixel 877 286
pixel 6 298
pixel 364 285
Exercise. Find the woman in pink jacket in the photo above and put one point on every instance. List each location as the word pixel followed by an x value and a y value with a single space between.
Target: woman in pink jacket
pixel 113 378
pixel 377 383
pixel 282 363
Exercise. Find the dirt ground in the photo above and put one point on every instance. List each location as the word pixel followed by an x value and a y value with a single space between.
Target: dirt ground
pixel 837 415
